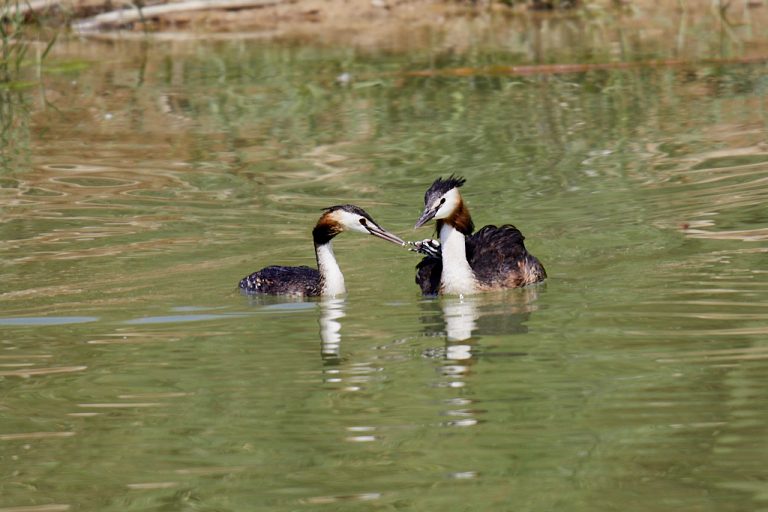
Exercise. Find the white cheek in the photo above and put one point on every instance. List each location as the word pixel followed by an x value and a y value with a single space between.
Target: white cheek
pixel 450 204
pixel 443 211
pixel 351 222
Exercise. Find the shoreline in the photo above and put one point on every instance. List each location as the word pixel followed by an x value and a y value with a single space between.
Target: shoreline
pixel 405 25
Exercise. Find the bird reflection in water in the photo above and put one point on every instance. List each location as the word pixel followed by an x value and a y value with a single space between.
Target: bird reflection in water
pixel 331 310
pixel 467 321
pixel 460 316
pixel 467 318
pixel 344 372
pixel 461 322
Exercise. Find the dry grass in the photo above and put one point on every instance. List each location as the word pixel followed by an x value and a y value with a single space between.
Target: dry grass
pixel 401 25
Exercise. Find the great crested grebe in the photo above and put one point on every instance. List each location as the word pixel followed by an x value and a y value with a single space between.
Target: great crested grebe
pixel 494 258
pixel 327 279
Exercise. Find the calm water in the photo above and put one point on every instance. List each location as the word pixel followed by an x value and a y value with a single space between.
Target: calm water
pixel 140 183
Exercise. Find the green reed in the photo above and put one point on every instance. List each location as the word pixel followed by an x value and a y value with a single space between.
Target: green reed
pixel 12 48
pixel 14 44
pixel 15 77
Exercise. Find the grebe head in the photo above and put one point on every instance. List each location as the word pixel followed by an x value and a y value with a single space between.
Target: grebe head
pixel 348 217
pixel 442 199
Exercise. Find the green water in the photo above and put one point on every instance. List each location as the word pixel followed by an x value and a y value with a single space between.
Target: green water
pixel 140 183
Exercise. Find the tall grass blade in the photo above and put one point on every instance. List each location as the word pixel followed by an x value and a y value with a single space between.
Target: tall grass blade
pixel 49 46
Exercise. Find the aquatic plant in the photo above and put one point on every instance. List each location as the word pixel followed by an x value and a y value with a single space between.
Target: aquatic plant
pixel 12 49
pixel 12 52
pixel 14 46
pixel 13 43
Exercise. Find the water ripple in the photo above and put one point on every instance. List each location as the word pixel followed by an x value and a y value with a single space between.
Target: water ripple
pixel 34 435
pixel 33 372
pixel 182 318
pixel 38 508
pixel 37 321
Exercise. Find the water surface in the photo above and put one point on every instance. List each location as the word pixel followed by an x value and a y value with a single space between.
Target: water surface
pixel 147 180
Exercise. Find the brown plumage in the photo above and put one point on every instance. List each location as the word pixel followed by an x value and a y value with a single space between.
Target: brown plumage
pixel 493 258
pixel 327 278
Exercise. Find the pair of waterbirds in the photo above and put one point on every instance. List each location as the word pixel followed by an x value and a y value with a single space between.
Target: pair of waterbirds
pixel 463 263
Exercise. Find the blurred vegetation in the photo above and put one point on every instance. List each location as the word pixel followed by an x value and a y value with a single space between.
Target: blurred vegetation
pixel 278 111
pixel 18 70
pixel 290 98
pixel 14 128
pixel 13 48
pixel 15 43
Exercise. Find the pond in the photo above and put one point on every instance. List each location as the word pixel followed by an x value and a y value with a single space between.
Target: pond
pixel 141 181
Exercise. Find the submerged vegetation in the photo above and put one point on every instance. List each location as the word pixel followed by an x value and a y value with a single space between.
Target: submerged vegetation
pixel 13 127
pixel 17 71
pixel 15 43
pixel 13 48
pixel 491 45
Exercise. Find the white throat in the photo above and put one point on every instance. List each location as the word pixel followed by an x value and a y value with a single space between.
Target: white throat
pixel 332 278
pixel 457 277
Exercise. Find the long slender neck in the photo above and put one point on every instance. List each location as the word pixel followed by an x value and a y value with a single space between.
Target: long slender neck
pixel 460 219
pixel 457 277
pixel 331 278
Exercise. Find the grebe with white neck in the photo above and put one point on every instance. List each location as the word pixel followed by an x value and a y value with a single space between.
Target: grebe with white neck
pixel 327 279
pixel 494 258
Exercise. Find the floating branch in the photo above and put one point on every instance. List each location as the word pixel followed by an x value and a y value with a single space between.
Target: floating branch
pixel 36 6
pixel 125 16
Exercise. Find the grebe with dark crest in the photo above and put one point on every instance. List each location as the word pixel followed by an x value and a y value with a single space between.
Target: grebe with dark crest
pixel 327 279
pixel 494 258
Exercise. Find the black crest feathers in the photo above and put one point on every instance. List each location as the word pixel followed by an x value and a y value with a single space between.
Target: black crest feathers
pixel 441 186
pixel 349 208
